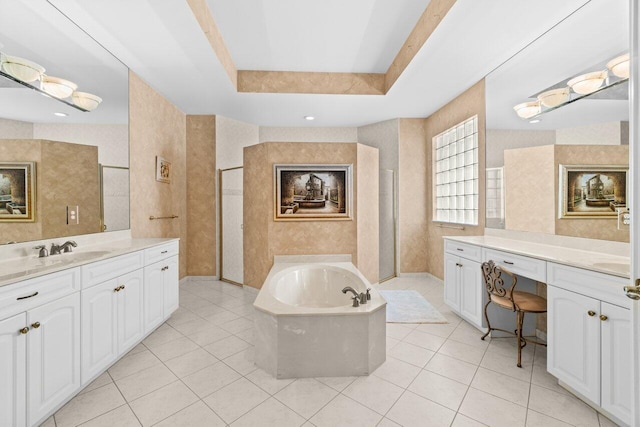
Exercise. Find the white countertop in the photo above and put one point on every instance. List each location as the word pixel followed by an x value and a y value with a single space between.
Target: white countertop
pixel 19 269
pixel 589 260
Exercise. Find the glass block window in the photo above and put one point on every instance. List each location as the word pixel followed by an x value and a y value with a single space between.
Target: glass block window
pixel 495 197
pixel 455 166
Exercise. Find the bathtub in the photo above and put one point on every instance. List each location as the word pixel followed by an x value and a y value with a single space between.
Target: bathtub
pixel 306 327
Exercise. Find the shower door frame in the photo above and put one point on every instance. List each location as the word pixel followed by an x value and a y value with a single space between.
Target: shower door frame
pixel 221 246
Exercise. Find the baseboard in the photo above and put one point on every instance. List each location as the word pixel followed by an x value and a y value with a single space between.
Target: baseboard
pixel 424 275
pixel 202 278
pixel 250 290
pixel 541 335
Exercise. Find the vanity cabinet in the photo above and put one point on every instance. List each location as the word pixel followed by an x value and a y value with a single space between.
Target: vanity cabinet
pixel 13 371
pixel 463 289
pixel 589 338
pixel 161 291
pixel 112 321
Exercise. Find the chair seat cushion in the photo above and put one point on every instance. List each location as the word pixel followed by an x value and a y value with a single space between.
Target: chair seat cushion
pixel 525 301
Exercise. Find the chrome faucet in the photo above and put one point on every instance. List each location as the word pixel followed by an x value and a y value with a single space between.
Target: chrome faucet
pixel 66 246
pixel 43 251
pixel 55 249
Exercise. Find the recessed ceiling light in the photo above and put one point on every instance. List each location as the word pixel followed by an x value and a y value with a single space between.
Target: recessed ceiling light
pixel 534 121
pixel 309 118
pixel 60 114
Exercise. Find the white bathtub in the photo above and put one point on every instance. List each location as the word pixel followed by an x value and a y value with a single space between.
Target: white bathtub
pixel 306 326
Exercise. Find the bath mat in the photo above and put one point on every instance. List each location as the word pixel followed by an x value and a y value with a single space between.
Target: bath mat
pixel 410 307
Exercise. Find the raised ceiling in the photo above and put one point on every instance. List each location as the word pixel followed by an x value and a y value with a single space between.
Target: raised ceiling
pixel 162 42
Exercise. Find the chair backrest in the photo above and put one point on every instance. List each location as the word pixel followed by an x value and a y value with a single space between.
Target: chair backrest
pixel 494 281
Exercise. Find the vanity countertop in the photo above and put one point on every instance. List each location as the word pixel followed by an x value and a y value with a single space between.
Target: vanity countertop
pixel 22 268
pixel 589 260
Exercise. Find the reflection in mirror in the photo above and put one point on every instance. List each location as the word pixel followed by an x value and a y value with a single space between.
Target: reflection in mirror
pixel 525 148
pixel 80 155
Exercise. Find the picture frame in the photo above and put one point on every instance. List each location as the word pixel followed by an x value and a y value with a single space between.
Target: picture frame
pixel 163 170
pixel 313 192
pixel 592 191
pixel 17 191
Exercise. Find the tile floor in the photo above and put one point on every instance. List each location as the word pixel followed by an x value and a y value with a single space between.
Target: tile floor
pixel 197 370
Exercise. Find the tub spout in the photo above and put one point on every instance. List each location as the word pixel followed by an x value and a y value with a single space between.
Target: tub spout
pixel 350 289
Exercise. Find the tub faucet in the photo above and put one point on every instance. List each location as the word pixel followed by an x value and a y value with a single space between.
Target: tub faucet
pixel 350 289
pixel 55 249
pixel 66 246
pixel 357 298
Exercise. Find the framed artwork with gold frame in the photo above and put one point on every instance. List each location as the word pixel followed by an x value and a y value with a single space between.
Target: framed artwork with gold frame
pixel 310 192
pixel 592 191
pixel 17 191
pixel 163 170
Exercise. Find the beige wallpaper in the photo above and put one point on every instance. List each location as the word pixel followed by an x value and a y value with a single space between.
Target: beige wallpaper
pixel 264 237
pixel 530 192
pixel 414 181
pixel 14 129
pixel 157 128
pixel 311 82
pixel 367 212
pixel 56 189
pixel 468 104
pixel 308 134
pixel 201 195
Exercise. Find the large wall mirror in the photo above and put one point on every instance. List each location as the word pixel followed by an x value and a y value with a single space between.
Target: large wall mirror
pixel 561 169
pixel 64 155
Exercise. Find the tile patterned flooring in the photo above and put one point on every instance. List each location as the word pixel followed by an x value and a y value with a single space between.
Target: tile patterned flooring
pixel 197 370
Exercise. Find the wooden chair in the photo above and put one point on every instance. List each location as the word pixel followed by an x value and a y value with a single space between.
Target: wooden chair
pixel 510 299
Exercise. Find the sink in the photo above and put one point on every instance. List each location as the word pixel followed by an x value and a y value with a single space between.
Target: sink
pixel 82 256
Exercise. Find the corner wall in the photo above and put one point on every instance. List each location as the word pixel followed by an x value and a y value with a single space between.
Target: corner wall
pixel 466 105
pixel 157 128
pixel 264 237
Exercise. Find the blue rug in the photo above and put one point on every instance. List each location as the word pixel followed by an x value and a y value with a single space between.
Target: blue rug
pixel 410 307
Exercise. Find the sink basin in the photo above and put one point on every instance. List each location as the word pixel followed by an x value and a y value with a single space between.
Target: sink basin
pixel 82 256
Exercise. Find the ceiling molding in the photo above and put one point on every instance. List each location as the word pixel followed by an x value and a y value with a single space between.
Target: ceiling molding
pixel 208 25
pixel 256 81
pixel 311 82
pixel 427 24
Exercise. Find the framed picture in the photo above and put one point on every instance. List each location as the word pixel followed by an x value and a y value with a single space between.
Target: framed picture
pixel 163 170
pixel 17 191
pixel 592 191
pixel 313 192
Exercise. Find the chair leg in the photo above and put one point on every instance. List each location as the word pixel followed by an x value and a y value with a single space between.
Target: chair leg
pixel 519 321
pixel 486 317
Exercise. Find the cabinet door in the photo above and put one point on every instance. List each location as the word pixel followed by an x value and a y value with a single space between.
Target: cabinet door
pixel 53 359
pixel 573 335
pixel 130 310
pixel 616 360
pixel 153 296
pixel 13 371
pixel 472 292
pixel 99 328
pixel 171 286
pixel 451 282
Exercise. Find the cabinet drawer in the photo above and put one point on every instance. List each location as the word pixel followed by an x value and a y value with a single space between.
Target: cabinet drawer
pixel 160 252
pixel 590 283
pixel 532 268
pixel 101 271
pixel 26 295
pixel 471 252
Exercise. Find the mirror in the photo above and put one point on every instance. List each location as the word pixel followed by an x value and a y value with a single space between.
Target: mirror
pixel 79 182
pixel 524 157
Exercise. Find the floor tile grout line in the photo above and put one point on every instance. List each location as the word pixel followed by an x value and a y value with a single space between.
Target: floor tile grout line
pixel 125 399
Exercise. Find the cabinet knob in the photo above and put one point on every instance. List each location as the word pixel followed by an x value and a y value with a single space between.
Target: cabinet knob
pixel 24 330
pixel 591 313
pixel 458 264
pixel 35 325
pixel 603 317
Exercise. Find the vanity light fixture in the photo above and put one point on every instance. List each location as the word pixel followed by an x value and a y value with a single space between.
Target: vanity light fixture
pixel 620 66
pixel 588 83
pixel 527 109
pixel 309 118
pixel 554 97
pixel 60 114
pixel 57 87
pixel 85 100
pixel 20 68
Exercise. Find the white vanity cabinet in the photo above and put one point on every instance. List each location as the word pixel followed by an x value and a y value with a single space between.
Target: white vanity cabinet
pixel 61 330
pixel 463 289
pixel 112 321
pixel 589 336
pixel 161 290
